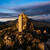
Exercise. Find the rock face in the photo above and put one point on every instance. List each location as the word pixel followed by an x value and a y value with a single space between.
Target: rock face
pixel 48 43
pixel 41 46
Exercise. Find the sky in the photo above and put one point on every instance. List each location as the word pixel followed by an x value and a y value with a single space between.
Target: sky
pixel 12 8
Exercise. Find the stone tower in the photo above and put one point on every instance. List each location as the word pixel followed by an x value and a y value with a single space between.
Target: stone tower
pixel 20 29
pixel 22 22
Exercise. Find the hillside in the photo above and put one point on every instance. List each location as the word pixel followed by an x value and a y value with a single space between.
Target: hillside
pixel 30 38
pixel 36 24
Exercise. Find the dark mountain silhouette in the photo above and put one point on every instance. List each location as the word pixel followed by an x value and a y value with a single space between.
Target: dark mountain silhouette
pixel 36 24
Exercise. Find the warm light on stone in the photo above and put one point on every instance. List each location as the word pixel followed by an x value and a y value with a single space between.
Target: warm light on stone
pixel 20 23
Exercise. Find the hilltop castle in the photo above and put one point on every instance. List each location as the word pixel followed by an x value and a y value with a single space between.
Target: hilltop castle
pixel 23 23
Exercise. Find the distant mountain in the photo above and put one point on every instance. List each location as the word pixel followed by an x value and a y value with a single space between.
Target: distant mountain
pixel 1 23
pixel 9 22
pixel 43 20
pixel 40 23
pixel 35 23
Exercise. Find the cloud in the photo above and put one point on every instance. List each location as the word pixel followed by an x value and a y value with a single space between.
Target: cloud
pixel 40 17
pixel 2 15
pixel 8 15
pixel 29 10
pixel 36 17
pixel 8 19
pixel 34 9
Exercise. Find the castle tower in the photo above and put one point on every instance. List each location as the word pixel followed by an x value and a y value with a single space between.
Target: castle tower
pixel 24 15
pixel 22 22
pixel 20 29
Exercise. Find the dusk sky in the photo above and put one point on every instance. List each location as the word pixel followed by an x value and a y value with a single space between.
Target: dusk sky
pixel 9 8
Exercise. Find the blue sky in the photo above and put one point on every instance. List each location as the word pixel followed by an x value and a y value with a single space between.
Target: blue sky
pixel 12 8
pixel 6 4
